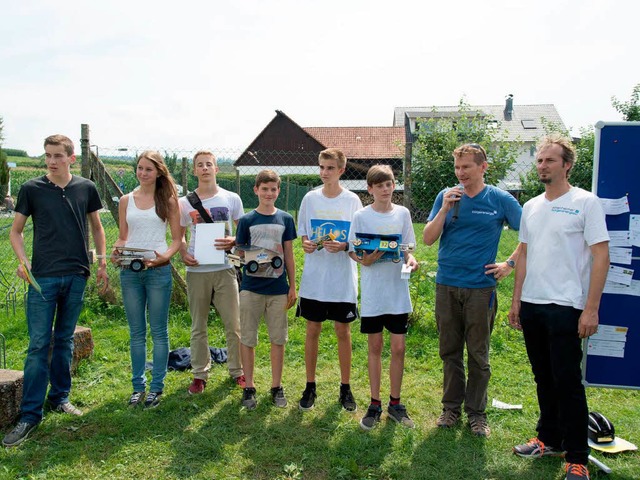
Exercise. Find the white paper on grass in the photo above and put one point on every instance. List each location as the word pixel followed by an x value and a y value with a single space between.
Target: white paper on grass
pixel 505 406
pixel 204 248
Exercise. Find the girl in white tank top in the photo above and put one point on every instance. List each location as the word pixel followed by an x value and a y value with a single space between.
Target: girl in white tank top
pixel 144 217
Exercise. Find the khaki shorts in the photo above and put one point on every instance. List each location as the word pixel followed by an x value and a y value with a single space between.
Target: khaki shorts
pixel 253 306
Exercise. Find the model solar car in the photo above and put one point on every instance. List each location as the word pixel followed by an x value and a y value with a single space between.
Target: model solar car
pixel 129 257
pixel 254 257
pixel 329 237
pixel 389 244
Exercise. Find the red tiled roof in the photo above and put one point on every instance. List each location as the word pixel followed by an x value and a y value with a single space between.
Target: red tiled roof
pixel 362 142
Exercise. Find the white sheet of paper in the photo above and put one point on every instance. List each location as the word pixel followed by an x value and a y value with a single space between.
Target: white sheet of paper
pixel 619 238
pixel 505 406
pixel 620 275
pixel 615 206
pixel 605 348
pixel 620 255
pixel 204 251
pixel 634 230
pixel 611 332
pixel 405 273
pixel 620 289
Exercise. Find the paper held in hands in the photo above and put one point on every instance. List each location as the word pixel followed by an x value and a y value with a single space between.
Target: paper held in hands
pixel 204 249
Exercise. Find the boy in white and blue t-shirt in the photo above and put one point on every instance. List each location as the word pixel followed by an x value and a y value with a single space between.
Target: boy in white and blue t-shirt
pixel 329 284
pixel 384 298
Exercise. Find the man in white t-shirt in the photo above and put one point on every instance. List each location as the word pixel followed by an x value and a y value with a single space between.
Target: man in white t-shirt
pixel 205 282
pixel 329 285
pixel 560 275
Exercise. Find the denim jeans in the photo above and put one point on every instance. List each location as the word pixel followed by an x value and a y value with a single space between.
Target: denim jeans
pixel 148 294
pixel 62 298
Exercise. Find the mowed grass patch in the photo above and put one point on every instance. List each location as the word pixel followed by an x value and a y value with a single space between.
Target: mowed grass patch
pixel 211 436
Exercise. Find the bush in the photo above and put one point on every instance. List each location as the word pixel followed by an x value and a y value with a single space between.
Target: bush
pixel 14 152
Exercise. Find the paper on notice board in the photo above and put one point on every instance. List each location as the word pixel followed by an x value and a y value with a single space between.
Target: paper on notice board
pixel 615 206
pixel 620 275
pixel 620 255
pixel 620 289
pixel 634 230
pixel 609 341
pixel 619 238
pixel 204 250
pixel 605 348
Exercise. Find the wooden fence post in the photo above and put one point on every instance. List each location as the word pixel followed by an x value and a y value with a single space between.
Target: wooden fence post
pixel 85 142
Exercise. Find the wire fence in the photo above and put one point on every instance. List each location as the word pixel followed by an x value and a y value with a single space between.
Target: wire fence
pixel 113 171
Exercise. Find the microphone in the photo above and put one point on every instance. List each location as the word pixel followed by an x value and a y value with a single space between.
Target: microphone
pixel 456 207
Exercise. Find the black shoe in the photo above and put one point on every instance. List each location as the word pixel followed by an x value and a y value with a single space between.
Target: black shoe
pixel 372 417
pixel 399 414
pixel 308 399
pixel 19 434
pixel 346 400
pixel 249 398
pixel 136 398
pixel 152 400
pixel 278 398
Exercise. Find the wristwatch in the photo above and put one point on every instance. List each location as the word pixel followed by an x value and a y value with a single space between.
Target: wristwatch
pixel 511 263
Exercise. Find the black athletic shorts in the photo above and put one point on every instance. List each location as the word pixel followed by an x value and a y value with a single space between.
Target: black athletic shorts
pixel 316 311
pixel 394 323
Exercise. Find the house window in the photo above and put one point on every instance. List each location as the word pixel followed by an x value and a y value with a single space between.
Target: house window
pixel 529 124
pixel 532 151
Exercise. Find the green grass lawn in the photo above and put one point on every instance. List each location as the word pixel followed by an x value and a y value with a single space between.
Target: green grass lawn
pixel 210 436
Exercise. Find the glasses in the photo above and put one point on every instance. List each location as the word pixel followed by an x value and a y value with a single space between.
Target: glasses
pixel 478 147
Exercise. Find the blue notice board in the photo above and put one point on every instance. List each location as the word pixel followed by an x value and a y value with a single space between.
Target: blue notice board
pixel 616 173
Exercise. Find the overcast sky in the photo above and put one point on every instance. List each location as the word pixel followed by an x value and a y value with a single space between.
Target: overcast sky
pixel 211 74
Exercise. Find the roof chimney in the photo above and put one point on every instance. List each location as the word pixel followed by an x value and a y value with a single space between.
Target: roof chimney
pixel 508 107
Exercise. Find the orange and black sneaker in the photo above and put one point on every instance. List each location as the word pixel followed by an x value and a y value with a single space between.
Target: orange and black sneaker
pixel 534 448
pixel 576 471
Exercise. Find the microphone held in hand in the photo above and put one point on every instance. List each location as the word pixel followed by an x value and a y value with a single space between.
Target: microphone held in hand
pixel 456 207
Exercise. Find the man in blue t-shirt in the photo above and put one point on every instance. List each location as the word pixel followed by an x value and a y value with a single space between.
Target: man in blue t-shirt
pixel 468 219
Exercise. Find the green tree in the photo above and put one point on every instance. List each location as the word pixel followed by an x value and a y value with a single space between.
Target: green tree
pixel 437 137
pixel 630 110
pixel 582 172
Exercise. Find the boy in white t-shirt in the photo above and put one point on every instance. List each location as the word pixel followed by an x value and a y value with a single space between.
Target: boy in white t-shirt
pixel 204 280
pixel 384 298
pixel 329 284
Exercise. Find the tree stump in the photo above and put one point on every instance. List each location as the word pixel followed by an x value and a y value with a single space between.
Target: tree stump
pixel 82 347
pixel 11 382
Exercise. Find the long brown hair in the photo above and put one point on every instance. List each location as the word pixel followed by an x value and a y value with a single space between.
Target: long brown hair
pixel 165 185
